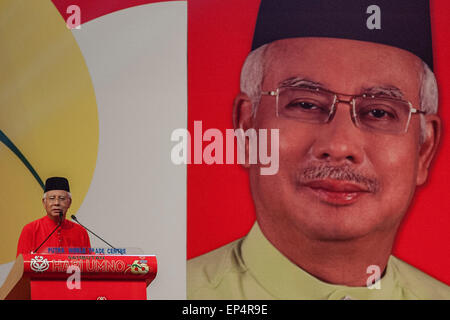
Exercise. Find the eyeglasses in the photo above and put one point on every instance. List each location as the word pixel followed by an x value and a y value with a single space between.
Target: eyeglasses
pixel 54 198
pixel 368 112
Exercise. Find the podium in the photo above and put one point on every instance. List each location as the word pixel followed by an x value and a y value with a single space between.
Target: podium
pixel 79 277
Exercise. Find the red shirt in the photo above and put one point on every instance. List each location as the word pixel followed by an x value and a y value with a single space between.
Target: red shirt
pixel 68 235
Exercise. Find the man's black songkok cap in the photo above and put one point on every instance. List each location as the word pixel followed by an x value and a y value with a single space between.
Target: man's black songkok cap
pixel 399 23
pixel 56 183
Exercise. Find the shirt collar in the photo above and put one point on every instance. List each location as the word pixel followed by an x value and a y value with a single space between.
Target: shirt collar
pixel 53 224
pixel 285 280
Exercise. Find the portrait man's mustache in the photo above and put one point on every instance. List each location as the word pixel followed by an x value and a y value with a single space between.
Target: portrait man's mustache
pixel 320 171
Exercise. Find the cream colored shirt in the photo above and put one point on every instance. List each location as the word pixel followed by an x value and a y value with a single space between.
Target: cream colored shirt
pixel 252 268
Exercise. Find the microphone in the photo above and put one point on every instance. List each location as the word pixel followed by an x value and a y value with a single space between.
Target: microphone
pixel 59 225
pixel 76 220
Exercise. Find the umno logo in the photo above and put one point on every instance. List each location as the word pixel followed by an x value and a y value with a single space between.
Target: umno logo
pixel 39 264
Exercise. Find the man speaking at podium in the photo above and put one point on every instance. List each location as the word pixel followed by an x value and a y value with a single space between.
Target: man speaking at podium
pixel 60 232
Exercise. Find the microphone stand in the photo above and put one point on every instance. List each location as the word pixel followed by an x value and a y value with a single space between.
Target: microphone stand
pixel 59 225
pixel 76 220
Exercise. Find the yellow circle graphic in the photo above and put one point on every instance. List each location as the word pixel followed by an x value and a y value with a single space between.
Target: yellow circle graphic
pixel 48 112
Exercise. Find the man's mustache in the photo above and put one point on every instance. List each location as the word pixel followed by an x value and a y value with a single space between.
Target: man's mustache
pixel 342 173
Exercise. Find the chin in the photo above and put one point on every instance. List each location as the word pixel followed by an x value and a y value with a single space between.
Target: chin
pixel 342 225
pixel 54 214
pixel 344 234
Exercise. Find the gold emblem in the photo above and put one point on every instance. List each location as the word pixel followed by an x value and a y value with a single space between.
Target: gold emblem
pixel 138 267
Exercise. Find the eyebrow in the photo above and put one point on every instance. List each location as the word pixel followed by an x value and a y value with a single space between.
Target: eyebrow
pixel 389 91
pixel 301 82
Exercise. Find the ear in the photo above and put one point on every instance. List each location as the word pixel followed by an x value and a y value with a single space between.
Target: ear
pixel 428 148
pixel 243 119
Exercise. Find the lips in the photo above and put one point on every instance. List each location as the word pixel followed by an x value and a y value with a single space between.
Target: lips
pixel 337 192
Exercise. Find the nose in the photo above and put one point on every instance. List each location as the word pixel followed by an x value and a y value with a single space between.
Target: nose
pixel 56 202
pixel 339 141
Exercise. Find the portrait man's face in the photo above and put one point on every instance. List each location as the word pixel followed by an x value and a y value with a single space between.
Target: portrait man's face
pixel 373 174
pixel 56 201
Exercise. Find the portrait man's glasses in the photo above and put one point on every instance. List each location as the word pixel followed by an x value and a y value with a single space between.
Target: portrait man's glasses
pixel 368 112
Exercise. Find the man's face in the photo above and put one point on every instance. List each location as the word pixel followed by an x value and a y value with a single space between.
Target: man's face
pixel 56 201
pixel 378 172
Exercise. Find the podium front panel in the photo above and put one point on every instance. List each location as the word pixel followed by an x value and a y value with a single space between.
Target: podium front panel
pixel 69 276
pixel 89 290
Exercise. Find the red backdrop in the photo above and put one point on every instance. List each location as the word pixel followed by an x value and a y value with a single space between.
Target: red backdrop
pixel 219 204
